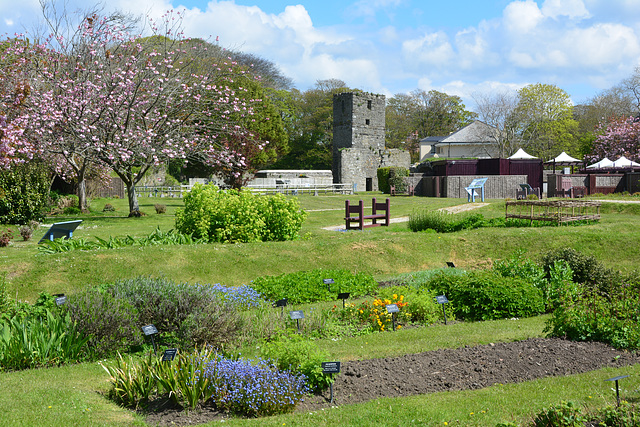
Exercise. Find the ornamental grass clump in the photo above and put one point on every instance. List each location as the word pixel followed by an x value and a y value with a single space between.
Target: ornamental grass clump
pixel 254 389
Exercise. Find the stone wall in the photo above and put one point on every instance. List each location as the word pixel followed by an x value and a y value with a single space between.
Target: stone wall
pixel 358 140
pixel 496 187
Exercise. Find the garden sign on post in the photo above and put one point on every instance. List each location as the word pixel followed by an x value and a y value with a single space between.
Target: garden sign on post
pixel 442 300
pixel 331 368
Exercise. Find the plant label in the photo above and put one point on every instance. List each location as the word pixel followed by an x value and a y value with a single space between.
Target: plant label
pixel 330 367
pixel 61 300
pixel 149 330
pixel 344 295
pixel 169 354
pixel 280 303
pixel 441 299
pixel 392 308
pixel 297 314
pixel 328 281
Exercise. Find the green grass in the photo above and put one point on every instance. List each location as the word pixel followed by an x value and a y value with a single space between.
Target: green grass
pixel 381 251
pixel 75 393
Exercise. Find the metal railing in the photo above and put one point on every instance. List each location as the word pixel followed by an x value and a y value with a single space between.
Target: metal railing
pixel 155 191
pixel 302 189
pixel 178 191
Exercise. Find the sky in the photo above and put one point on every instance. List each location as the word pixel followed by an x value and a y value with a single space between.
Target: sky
pixel 461 47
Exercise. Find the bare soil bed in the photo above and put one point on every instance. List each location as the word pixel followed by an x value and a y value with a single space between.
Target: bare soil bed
pixel 466 368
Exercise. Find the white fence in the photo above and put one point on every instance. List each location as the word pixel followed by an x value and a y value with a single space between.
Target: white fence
pixel 178 191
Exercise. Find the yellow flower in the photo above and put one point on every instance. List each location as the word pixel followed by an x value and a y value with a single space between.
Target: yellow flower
pixel 399 326
pixel 395 296
pixel 361 311
pixel 446 423
pixel 49 407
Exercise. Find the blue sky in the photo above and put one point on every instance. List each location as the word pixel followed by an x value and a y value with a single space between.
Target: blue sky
pixel 461 47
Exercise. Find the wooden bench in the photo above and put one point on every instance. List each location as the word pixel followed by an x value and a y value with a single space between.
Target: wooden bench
pixel 379 211
pixel 410 190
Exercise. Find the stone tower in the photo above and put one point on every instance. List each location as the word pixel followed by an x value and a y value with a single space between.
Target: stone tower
pixel 358 140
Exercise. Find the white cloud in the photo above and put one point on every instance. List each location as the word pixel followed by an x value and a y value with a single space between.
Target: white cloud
pixel 8 22
pixel 369 8
pixel 570 8
pixel 431 50
pixel 522 16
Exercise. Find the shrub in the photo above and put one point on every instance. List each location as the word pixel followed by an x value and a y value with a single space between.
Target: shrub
pixel 26 231
pixel 5 238
pixel 392 175
pixel 215 325
pixel 195 314
pixel 485 295
pixel 238 215
pixel 108 208
pixel 160 209
pixel 587 315
pixel 307 286
pixel 297 354
pixel 72 210
pixel 586 269
pixel 566 414
pixel 110 322
pixel 24 193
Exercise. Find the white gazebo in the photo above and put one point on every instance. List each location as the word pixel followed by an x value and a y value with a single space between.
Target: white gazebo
pixel 623 162
pixel 604 163
pixel 563 159
pixel 521 155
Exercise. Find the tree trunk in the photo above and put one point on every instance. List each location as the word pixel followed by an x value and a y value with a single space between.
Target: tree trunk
pixel 132 196
pixel 82 194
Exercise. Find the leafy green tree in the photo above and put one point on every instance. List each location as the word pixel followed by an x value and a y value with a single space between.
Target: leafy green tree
pixel 411 117
pixel 544 120
pixel 439 113
pixel 311 126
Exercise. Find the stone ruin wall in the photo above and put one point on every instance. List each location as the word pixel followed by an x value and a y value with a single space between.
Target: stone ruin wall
pixel 359 138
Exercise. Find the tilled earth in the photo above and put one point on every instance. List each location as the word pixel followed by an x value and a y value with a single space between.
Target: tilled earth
pixel 466 368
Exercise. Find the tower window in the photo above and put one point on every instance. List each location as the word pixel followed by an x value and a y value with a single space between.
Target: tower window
pixel 367 122
pixel 369 106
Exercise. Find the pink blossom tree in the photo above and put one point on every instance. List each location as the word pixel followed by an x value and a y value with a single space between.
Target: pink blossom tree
pixel 618 137
pixel 128 103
